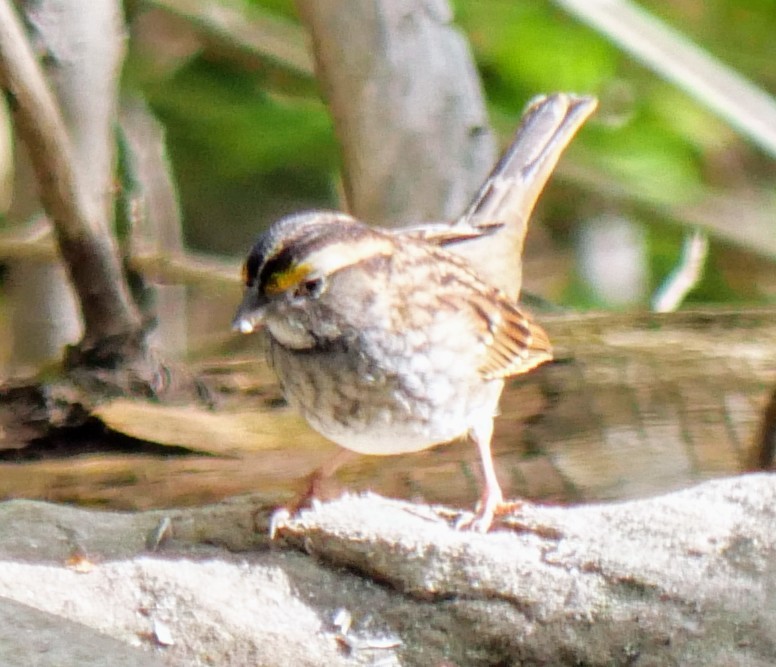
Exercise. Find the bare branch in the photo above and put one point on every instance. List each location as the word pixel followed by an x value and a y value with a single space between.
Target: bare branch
pixel 79 214
pixel 35 242
pixel 685 276
pixel 247 27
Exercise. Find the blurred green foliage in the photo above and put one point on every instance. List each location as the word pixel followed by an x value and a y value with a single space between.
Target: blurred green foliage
pixel 249 143
pixel 240 154
pixel 525 47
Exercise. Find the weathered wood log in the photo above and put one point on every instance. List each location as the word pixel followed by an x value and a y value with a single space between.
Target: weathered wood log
pixel 636 404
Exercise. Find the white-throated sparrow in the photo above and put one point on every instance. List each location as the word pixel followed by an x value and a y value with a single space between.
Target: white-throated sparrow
pixel 393 341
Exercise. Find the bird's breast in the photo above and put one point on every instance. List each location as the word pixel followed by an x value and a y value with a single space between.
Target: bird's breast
pixel 378 398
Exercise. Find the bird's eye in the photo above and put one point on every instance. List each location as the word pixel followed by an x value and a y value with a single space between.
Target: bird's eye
pixel 310 288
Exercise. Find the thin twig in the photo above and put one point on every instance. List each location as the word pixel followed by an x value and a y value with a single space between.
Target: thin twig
pixel 685 276
pixel 36 241
pixel 249 28
pixel 189 268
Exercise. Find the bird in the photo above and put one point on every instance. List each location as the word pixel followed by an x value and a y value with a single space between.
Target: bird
pixel 391 341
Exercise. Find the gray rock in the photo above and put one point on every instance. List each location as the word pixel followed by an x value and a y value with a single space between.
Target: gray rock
pixel 687 579
pixel 32 638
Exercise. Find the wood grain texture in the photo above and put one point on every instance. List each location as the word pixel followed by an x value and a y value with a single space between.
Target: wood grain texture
pixel 635 404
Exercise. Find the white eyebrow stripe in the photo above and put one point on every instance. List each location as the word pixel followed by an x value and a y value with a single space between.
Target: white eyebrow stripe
pixel 336 256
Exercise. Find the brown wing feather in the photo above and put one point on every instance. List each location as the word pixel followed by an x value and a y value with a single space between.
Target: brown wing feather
pixel 445 234
pixel 518 343
pixel 513 342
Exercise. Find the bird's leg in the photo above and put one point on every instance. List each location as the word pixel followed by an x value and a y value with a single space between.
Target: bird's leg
pixel 314 488
pixel 492 501
pixel 492 495
pixel 317 485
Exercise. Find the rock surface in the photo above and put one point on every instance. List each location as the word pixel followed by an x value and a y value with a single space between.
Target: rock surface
pixel 688 579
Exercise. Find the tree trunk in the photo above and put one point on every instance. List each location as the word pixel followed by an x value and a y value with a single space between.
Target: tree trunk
pixel 71 146
pixel 407 106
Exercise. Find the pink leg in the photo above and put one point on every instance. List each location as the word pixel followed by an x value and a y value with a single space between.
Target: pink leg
pixel 317 484
pixel 492 497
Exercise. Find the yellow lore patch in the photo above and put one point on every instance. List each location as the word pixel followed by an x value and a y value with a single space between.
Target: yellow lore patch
pixel 279 282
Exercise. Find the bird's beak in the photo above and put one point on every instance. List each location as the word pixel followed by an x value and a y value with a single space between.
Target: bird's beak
pixel 250 313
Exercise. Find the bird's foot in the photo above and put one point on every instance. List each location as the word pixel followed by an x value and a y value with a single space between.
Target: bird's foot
pixel 490 508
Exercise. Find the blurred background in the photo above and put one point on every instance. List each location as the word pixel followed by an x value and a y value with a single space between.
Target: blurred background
pixel 675 170
pixel 665 200
pixel 250 141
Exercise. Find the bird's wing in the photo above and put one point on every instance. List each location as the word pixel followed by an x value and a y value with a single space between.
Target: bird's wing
pixel 514 343
pixel 509 341
pixel 443 233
